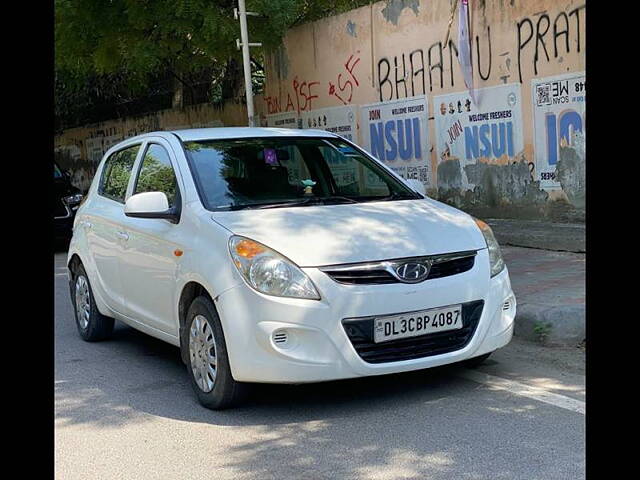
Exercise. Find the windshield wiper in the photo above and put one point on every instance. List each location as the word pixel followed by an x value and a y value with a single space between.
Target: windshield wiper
pixel 329 200
pixel 338 198
pixel 306 201
pixel 396 196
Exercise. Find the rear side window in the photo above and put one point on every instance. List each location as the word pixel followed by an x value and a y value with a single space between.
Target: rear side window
pixel 156 174
pixel 116 173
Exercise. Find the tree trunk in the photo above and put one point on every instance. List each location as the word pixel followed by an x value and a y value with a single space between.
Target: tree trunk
pixel 178 94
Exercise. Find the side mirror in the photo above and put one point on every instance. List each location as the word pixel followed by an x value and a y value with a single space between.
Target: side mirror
pixel 150 205
pixel 417 186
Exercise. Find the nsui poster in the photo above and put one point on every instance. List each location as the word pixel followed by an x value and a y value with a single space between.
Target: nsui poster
pixel 558 121
pixel 489 131
pixel 338 120
pixel 396 133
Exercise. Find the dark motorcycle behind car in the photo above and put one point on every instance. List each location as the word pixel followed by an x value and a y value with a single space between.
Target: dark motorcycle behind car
pixel 66 201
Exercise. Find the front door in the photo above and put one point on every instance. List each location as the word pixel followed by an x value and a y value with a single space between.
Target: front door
pixel 150 260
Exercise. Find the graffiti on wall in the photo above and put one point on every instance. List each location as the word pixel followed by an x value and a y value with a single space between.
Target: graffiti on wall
pixel 404 75
pixel 537 39
pixel 535 35
pixel 344 92
pixel 301 94
pixel 304 92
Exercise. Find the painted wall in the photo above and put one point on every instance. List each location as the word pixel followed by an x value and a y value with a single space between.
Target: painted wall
pixel 79 150
pixel 395 49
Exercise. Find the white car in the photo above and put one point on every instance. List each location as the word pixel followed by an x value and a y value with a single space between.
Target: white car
pixel 282 256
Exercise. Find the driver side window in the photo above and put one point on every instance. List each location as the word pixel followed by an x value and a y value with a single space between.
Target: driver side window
pixel 156 174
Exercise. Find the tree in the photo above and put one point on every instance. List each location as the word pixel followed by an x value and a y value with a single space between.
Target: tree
pixel 114 51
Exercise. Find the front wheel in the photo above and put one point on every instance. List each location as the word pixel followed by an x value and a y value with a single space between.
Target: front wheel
pixel 208 362
pixel 475 361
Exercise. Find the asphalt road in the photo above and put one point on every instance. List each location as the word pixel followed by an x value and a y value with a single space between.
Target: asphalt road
pixel 124 409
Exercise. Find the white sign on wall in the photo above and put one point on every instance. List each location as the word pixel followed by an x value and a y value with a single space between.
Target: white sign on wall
pixel 489 131
pixel 396 132
pixel 283 120
pixel 558 121
pixel 339 120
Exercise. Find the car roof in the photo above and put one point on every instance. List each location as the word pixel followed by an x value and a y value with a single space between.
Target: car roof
pixel 221 133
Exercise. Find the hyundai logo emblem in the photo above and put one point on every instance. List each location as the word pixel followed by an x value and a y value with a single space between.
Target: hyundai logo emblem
pixel 412 272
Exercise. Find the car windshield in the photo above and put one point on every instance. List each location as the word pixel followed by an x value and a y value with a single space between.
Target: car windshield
pixel 288 171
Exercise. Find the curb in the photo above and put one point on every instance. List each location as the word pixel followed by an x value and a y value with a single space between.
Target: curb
pixel 559 237
pixel 562 325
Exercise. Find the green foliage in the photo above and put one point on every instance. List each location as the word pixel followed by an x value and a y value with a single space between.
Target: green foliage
pixel 157 176
pixel 117 48
pixel 118 171
pixel 542 330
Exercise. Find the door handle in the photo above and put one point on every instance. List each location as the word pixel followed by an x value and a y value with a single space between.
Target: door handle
pixel 123 235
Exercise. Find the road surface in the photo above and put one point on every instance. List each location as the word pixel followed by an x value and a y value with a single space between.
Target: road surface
pixel 124 410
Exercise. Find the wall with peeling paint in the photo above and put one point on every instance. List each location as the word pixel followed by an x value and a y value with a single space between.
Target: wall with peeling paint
pixel 79 150
pixel 394 49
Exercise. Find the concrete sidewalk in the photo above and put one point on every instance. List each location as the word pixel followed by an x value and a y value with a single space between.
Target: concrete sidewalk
pixel 550 291
pixel 568 237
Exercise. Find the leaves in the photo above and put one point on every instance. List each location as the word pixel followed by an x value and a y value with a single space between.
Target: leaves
pixel 139 42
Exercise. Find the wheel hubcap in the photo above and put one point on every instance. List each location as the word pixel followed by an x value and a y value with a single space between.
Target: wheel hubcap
pixel 83 301
pixel 202 350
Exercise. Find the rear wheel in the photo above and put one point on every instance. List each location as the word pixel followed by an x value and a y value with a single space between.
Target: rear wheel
pixel 92 325
pixel 208 362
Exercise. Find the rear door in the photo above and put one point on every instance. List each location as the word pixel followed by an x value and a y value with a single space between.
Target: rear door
pixel 149 261
pixel 104 224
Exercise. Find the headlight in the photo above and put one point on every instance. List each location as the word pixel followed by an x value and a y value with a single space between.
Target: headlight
pixel 269 272
pixel 72 199
pixel 495 255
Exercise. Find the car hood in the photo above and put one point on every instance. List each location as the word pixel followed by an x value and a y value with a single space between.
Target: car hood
pixel 321 235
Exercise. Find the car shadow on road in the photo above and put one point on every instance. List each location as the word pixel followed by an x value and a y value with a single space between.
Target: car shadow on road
pixel 159 386
pixel 424 424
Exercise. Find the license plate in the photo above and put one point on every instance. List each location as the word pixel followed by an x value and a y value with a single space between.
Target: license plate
pixel 413 324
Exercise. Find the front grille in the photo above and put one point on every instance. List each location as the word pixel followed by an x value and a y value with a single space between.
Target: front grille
pixel 378 273
pixel 452 267
pixel 360 333
pixel 362 277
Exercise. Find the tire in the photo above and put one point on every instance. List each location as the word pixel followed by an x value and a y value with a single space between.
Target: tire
pixel 476 361
pixel 92 325
pixel 207 359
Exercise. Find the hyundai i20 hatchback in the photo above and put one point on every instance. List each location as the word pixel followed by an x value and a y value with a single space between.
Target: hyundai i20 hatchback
pixel 282 256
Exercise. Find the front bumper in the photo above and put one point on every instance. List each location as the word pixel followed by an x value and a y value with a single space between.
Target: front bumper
pixel 317 347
